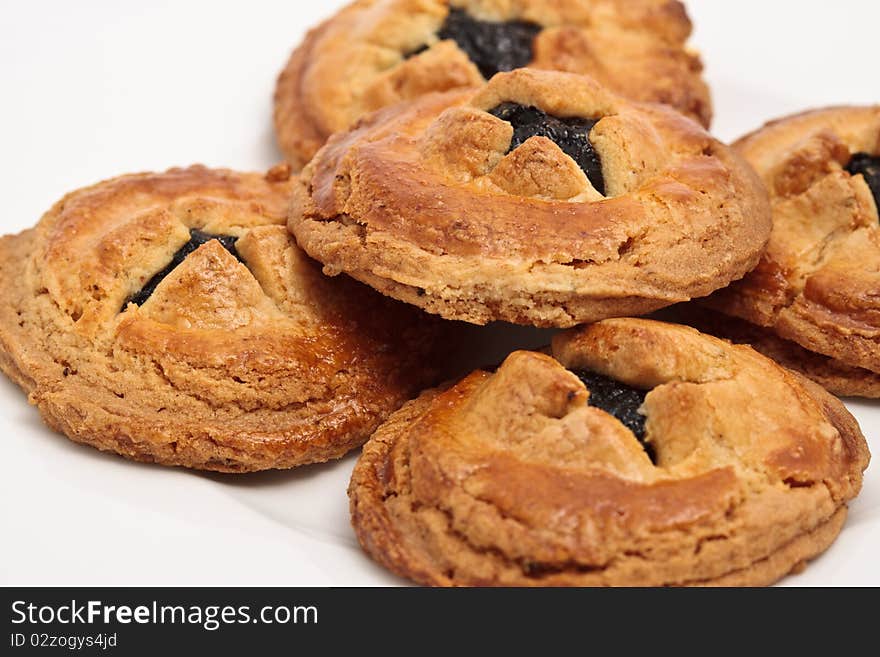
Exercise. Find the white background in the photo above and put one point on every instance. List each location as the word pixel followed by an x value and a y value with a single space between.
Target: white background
pixel 91 89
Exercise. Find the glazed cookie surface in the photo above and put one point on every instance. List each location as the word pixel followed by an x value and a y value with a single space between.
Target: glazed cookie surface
pixel 375 53
pixel 735 472
pixel 818 284
pixel 171 318
pixel 541 199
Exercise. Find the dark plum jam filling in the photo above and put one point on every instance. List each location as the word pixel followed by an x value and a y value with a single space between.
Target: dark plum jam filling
pixel 869 167
pixel 491 46
pixel 196 239
pixel 571 135
pixel 619 400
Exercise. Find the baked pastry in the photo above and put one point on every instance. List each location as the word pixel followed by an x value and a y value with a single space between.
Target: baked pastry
pixel 818 284
pixel 724 468
pixel 374 53
pixel 171 318
pixel 541 198
pixel 833 375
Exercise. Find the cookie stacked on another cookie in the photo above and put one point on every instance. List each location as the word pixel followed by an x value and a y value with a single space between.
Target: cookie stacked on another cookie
pixel 375 53
pixel 541 199
pixel 171 318
pixel 813 298
pixel 639 454
pixel 540 162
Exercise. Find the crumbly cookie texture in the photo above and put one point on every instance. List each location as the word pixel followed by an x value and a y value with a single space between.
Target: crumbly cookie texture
pixel 375 53
pixel 818 284
pixel 171 318
pixel 512 478
pixel 833 375
pixel 429 203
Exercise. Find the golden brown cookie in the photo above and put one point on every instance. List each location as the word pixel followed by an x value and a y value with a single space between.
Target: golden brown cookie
pixel 722 469
pixel 541 199
pixel 375 53
pixel 171 318
pixel 818 284
pixel 833 375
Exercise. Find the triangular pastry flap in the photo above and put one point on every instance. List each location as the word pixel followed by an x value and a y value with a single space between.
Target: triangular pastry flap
pixel 210 290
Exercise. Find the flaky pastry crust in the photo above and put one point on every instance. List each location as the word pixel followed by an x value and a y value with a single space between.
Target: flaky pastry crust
pixel 835 376
pixel 818 284
pixel 423 202
pixel 511 478
pixel 233 363
pixel 362 59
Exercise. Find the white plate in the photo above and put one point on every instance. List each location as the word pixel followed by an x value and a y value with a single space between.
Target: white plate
pixel 91 90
